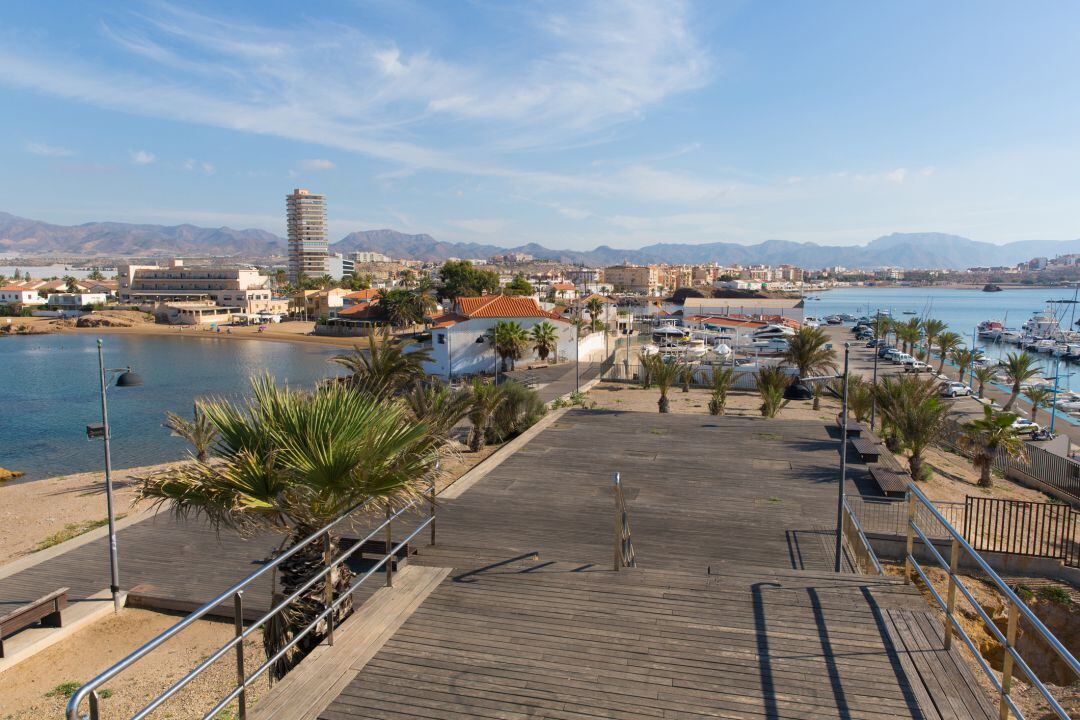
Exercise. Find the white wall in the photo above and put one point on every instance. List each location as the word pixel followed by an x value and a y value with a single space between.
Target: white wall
pixel 471 357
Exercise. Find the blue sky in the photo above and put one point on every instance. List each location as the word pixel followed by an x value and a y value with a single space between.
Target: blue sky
pixel 569 124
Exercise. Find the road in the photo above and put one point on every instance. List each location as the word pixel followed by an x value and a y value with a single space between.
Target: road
pixel 862 363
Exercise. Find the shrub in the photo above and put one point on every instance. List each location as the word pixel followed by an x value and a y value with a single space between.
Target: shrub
pixel 1055 594
pixel 771 382
pixel 519 409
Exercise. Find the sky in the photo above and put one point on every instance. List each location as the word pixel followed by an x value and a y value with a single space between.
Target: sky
pixel 571 124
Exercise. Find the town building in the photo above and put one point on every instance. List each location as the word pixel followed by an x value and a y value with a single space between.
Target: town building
pixel 642 279
pixel 308 247
pixel 461 335
pixel 235 289
pixel 74 301
pixel 20 295
pixel 364 256
pixel 338 266
pixel 791 308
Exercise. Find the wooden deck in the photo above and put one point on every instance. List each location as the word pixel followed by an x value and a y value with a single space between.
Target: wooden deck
pixel 733 611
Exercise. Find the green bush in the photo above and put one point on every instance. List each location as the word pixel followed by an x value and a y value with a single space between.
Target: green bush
pixel 1055 594
pixel 520 409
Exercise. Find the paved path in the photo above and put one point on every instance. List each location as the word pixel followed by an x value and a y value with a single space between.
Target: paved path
pixel 733 611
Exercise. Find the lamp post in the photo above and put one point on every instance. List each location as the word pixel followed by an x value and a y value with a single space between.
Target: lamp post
pixel 577 363
pixel 124 378
pixel 1053 399
pixel 873 393
pixel 450 361
pixel 843 462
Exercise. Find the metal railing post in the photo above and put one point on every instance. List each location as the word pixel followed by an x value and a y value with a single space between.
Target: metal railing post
pixel 1007 665
pixel 431 500
pixel 328 590
pixel 389 548
pixel 910 537
pixel 950 600
pixel 241 676
pixel 95 711
pixel 617 554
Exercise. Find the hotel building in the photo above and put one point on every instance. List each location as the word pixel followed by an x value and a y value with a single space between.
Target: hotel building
pixel 308 248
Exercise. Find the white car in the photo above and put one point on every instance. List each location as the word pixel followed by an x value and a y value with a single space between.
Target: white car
pixel 954 389
pixel 1023 426
pixel 915 366
pixel 894 355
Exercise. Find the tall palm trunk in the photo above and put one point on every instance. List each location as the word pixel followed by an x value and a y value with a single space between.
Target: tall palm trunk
pixel 663 403
pixel 915 465
pixel 297 570
pixel 985 464
pixel 1012 398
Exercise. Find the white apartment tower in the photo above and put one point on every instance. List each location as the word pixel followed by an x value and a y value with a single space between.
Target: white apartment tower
pixel 307 234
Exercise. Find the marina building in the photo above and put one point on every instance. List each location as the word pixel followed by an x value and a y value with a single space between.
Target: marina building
pixel 200 292
pixel 308 248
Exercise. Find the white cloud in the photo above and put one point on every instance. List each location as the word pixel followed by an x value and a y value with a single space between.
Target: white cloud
pixel 141 157
pixel 897 175
pixel 207 168
pixel 46 150
pixel 317 164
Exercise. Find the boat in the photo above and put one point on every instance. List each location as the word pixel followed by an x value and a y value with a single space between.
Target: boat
pixel 1074 352
pixel 1046 345
pixel 990 330
pixel 769 346
pixel 1010 336
pixel 1060 349
pixel 811 321
pixel 773 331
pixel 667 334
pixel 910 312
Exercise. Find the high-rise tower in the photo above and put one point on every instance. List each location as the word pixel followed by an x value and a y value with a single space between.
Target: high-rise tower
pixel 307 234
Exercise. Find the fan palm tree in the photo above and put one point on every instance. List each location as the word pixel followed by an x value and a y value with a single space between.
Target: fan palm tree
pixel 663 375
pixel 771 381
pixel 438 406
pixel 290 461
pixel 987 437
pixel 909 333
pixel 963 358
pixel 808 352
pixel 721 379
pixel 199 431
pixel 545 339
pixel 982 375
pixel 913 413
pixel 1040 397
pixel 946 341
pixel 1020 367
pixel 385 367
pixel 509 340
pixel 485 401
pixel 932 327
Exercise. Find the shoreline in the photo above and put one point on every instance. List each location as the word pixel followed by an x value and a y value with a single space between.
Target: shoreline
pixel 45 326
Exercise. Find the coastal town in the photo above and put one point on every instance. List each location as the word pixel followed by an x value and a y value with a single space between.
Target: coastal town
pixel 565 360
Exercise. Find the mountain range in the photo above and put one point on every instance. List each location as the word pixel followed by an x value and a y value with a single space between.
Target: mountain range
pixel 906 250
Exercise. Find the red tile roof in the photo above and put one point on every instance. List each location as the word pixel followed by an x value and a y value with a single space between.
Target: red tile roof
pixel 447 320
pixel 563 286
pixel 369 294
pixel 502 306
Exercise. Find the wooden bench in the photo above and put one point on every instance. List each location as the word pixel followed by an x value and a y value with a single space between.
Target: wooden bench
pixel 378 547
pixel 46 609
pixel 891 482
pixel 854 429
pixel 868 450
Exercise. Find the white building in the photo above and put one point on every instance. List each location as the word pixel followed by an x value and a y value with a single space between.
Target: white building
pixel 74 301
pixel 461 336
pixel 18 295
pixel 793 308
pixel 242 288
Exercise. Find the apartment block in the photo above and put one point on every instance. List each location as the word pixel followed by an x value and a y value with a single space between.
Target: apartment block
pixel 308 247
pixel 633 278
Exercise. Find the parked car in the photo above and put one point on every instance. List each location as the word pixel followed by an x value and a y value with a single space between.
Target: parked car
pixel 954 389
pixel 882 350
pixel 916 366
pixel 872 342
pixel 1023 426
pixel 893 355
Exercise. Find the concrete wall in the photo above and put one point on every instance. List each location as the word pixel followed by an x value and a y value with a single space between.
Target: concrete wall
pixel 471 357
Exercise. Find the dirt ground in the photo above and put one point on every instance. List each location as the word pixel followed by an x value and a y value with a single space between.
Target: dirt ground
pixel 39 687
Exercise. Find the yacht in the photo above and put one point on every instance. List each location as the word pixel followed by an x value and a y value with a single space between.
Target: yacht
pixel 1061 349
pixel 770 346
pixel 1010 336
pixel 690 350
pixel 1069 402
pixel 1046 345
pixel 811 321
pixel 990 330
pixel 1074 352
pixel 773 331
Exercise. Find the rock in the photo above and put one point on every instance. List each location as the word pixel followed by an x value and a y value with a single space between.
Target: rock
pixel 6 475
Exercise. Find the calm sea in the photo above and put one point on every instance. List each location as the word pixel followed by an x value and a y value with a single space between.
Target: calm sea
pixel 49 393
pixel 962 310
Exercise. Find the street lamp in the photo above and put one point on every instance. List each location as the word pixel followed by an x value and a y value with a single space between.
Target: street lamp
pixel 122 377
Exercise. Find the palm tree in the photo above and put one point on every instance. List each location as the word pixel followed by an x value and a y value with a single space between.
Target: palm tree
pixel 509 340
pixel 664 374
pixel 771 381
pixel 686 376
pixel 545 339
pixel 963 357
pixel 882 324
pixel 290 461
pixel 71 284
pixel 595 306
pixel 987 437
pixel 485 401
pixel 438 406
pixel 199 431
pixel 982 375
pixel 946 341
pixel 720 381
pixel 909 333
pixel 808 352
pixel 1040 397
pixel 913 413
pixel 1020 367
pixel 860 398
pixel 385 367
pixel 932 327
pixel 645 362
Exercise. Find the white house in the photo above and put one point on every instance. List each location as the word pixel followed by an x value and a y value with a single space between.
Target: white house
pixel 75 300
pixel 461 335
pixel 18 295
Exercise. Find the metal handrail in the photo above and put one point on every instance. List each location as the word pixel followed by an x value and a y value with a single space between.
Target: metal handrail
pixel 862 538
pixel 1017 609
pixel 89 690
pixel 624 546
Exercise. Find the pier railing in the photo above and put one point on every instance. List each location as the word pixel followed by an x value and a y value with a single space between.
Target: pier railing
pixel 322 623
pixel 1018 611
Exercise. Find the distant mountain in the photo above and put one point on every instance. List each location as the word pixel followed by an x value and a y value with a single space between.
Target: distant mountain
pixel 905 250
pixel 124 239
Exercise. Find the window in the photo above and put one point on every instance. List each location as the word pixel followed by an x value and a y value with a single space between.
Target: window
pixel 442 338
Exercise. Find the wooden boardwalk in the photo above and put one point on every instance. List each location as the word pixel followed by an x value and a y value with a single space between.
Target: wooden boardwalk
pixel 733 611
